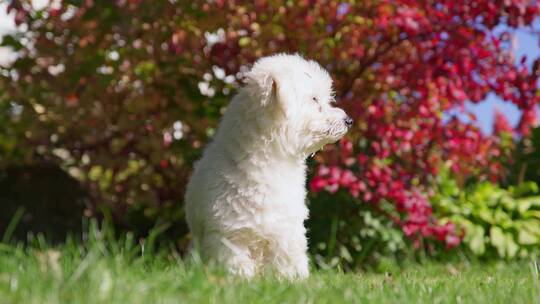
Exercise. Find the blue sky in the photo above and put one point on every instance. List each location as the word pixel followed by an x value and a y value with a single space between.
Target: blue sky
pixel 527 44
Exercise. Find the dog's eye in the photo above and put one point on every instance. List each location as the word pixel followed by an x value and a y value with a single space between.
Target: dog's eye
pixel 315 99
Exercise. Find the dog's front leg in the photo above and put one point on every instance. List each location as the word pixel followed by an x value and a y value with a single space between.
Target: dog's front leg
pixel 287 255
pixel 235 257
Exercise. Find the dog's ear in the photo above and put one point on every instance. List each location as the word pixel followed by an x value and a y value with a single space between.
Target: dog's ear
pixel 262 85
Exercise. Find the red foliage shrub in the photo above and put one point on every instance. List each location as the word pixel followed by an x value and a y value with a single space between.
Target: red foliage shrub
pixel 398 66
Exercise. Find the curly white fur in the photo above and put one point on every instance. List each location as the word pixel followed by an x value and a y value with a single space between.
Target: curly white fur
pixel 245 202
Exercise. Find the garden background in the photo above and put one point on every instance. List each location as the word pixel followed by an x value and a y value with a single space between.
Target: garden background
pixel 105 105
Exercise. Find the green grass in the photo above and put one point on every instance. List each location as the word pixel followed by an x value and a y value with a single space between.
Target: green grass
pixel 106 271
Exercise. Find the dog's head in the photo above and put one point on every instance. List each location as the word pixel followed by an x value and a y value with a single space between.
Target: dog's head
pixel 296 96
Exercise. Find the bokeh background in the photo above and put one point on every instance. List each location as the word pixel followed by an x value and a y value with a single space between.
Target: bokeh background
pixel 105 105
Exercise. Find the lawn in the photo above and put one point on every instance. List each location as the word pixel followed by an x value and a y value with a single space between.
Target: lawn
pixel 105 271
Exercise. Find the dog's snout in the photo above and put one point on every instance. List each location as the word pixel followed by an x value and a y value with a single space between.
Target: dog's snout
pixel 348 121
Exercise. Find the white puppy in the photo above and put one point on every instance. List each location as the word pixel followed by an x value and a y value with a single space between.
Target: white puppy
pixel 245 203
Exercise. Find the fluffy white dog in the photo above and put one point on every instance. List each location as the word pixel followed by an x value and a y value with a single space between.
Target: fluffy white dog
pixel 245 203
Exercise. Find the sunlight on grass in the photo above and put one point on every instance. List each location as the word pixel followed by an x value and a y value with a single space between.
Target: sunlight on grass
pixel 105 270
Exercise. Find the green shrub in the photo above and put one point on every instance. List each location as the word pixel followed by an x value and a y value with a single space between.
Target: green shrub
pixel 526 159
pixel 345 232
pixel 497 222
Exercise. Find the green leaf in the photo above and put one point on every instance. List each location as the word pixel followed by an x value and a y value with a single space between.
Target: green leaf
pixel 508 202
pixel 525 237
pixel 511 246
pixel 504 242
pixel 476 240
pixel 497 238
pixel 486 194
pixel 449 187
pixel 527 187
pixel 525 204
pixel 531 214
pixel 531 225
pixel 486 215
pixel 11 41
pixel 345 254
pixel 503 219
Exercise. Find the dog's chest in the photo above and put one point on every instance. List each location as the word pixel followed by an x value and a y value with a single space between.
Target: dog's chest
pixel 262 188
pixel 284 187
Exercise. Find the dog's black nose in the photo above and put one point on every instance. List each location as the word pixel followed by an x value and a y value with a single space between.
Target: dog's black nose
pixel 348 121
